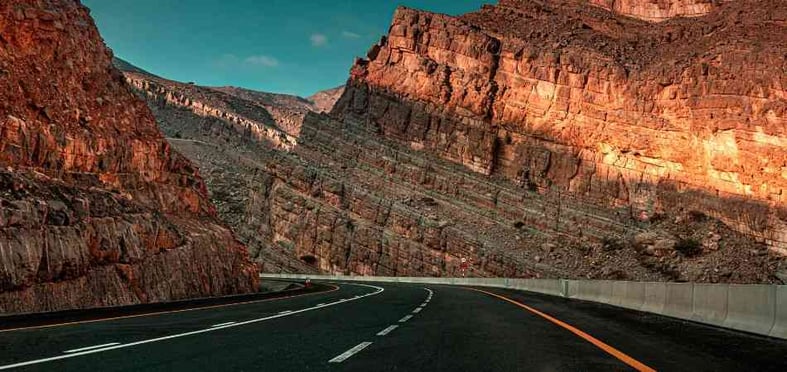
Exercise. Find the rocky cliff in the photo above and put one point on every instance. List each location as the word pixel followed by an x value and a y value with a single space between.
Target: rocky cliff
pixel 540 139
pixel 323 101
pixel 96 209
pixel 651 121
pixel 657 10
pixel 227 132
pixel 683 114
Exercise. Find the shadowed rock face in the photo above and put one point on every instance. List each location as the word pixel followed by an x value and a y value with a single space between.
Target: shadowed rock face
pixel 227 131
pixel 96 209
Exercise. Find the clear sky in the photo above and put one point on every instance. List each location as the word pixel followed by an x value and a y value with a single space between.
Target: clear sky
pixel 283 46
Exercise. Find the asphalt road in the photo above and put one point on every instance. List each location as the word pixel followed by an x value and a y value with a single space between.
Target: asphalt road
pixel 393 327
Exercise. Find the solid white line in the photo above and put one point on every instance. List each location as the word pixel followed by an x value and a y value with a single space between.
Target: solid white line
pixel 91 347
pixel 417 310
pixel 343 356
pixel 387 330
pixel 285 312
pixel 222 324
pixel 406 318
pixel 212 329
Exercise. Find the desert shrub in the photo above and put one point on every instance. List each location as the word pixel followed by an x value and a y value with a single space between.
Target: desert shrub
pixel 611 243
pixel 688 247
pixel 697 216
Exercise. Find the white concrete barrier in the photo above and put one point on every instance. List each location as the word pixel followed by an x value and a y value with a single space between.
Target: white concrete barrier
pixel 655 297
pixel 710 303
pixel 751 308
pixel 758 309
pixel 604 291
pixel 679 300
pixel 546 286
pixel 634 295
pixel 780 322
pixel 588 290
pixel 618 293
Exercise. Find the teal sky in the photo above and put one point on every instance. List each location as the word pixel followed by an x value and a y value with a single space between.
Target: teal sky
pixel 283 46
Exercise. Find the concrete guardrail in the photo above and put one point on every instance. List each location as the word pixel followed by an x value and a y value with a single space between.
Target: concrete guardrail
pixel 760 309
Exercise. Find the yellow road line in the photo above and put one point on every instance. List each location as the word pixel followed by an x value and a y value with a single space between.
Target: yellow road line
pixel 164 312
pixel 639 366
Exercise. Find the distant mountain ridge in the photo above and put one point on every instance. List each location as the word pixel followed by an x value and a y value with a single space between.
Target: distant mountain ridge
pixel 224 130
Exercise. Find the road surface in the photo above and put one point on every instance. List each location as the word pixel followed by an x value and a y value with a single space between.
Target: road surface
pixel 393 327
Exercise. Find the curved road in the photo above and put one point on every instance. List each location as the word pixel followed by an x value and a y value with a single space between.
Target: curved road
pixel 393 327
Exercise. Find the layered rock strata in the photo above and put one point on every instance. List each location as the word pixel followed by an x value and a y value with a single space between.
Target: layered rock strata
pixel 96 209
pixel 224 130
pixel 532 139
pixel 686 114
pixel 658 10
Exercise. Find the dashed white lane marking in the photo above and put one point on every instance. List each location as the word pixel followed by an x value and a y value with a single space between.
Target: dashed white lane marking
pixel 343 356
pixel 406 318
pixel 285 312
pixel 320 305
pixel 178 335
pixel 417 310
pixel 222 324
pixel 387 330
pixel 91 347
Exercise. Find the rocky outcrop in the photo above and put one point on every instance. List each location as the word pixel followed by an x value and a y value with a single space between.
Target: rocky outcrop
pixel 657 117
pixel 658 10
pixel 323 101
pixel 95 207
pixel 227 132
pixel 247 118
pixel 530 139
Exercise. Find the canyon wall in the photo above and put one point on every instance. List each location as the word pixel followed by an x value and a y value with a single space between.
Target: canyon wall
pixel 658 117
pixel 528 139
pixel 228 132
pixel 96 209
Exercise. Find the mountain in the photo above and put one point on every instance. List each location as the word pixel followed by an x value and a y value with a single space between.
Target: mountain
pixel 323 101
pixel 96 208
pixel 628 130
pixel 638 139
pixel 224 130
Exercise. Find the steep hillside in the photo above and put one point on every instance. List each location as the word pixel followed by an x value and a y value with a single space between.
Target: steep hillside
pixel 96 209
pixel 226 131
pixel 323 101
pixel 545 139
pixel 590 145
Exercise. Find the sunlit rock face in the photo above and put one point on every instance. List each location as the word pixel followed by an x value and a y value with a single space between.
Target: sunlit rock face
pixel 556 95
pixel 655 10
pixel 96 209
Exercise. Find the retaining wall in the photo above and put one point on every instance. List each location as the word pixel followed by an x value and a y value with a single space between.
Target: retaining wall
pixel 760 309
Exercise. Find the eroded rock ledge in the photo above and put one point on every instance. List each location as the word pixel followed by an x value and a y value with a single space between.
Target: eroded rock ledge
pixel 615 111
pixel 533 139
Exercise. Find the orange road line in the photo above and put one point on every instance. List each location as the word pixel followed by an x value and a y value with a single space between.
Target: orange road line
pixel 639 366
pixel 335 288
